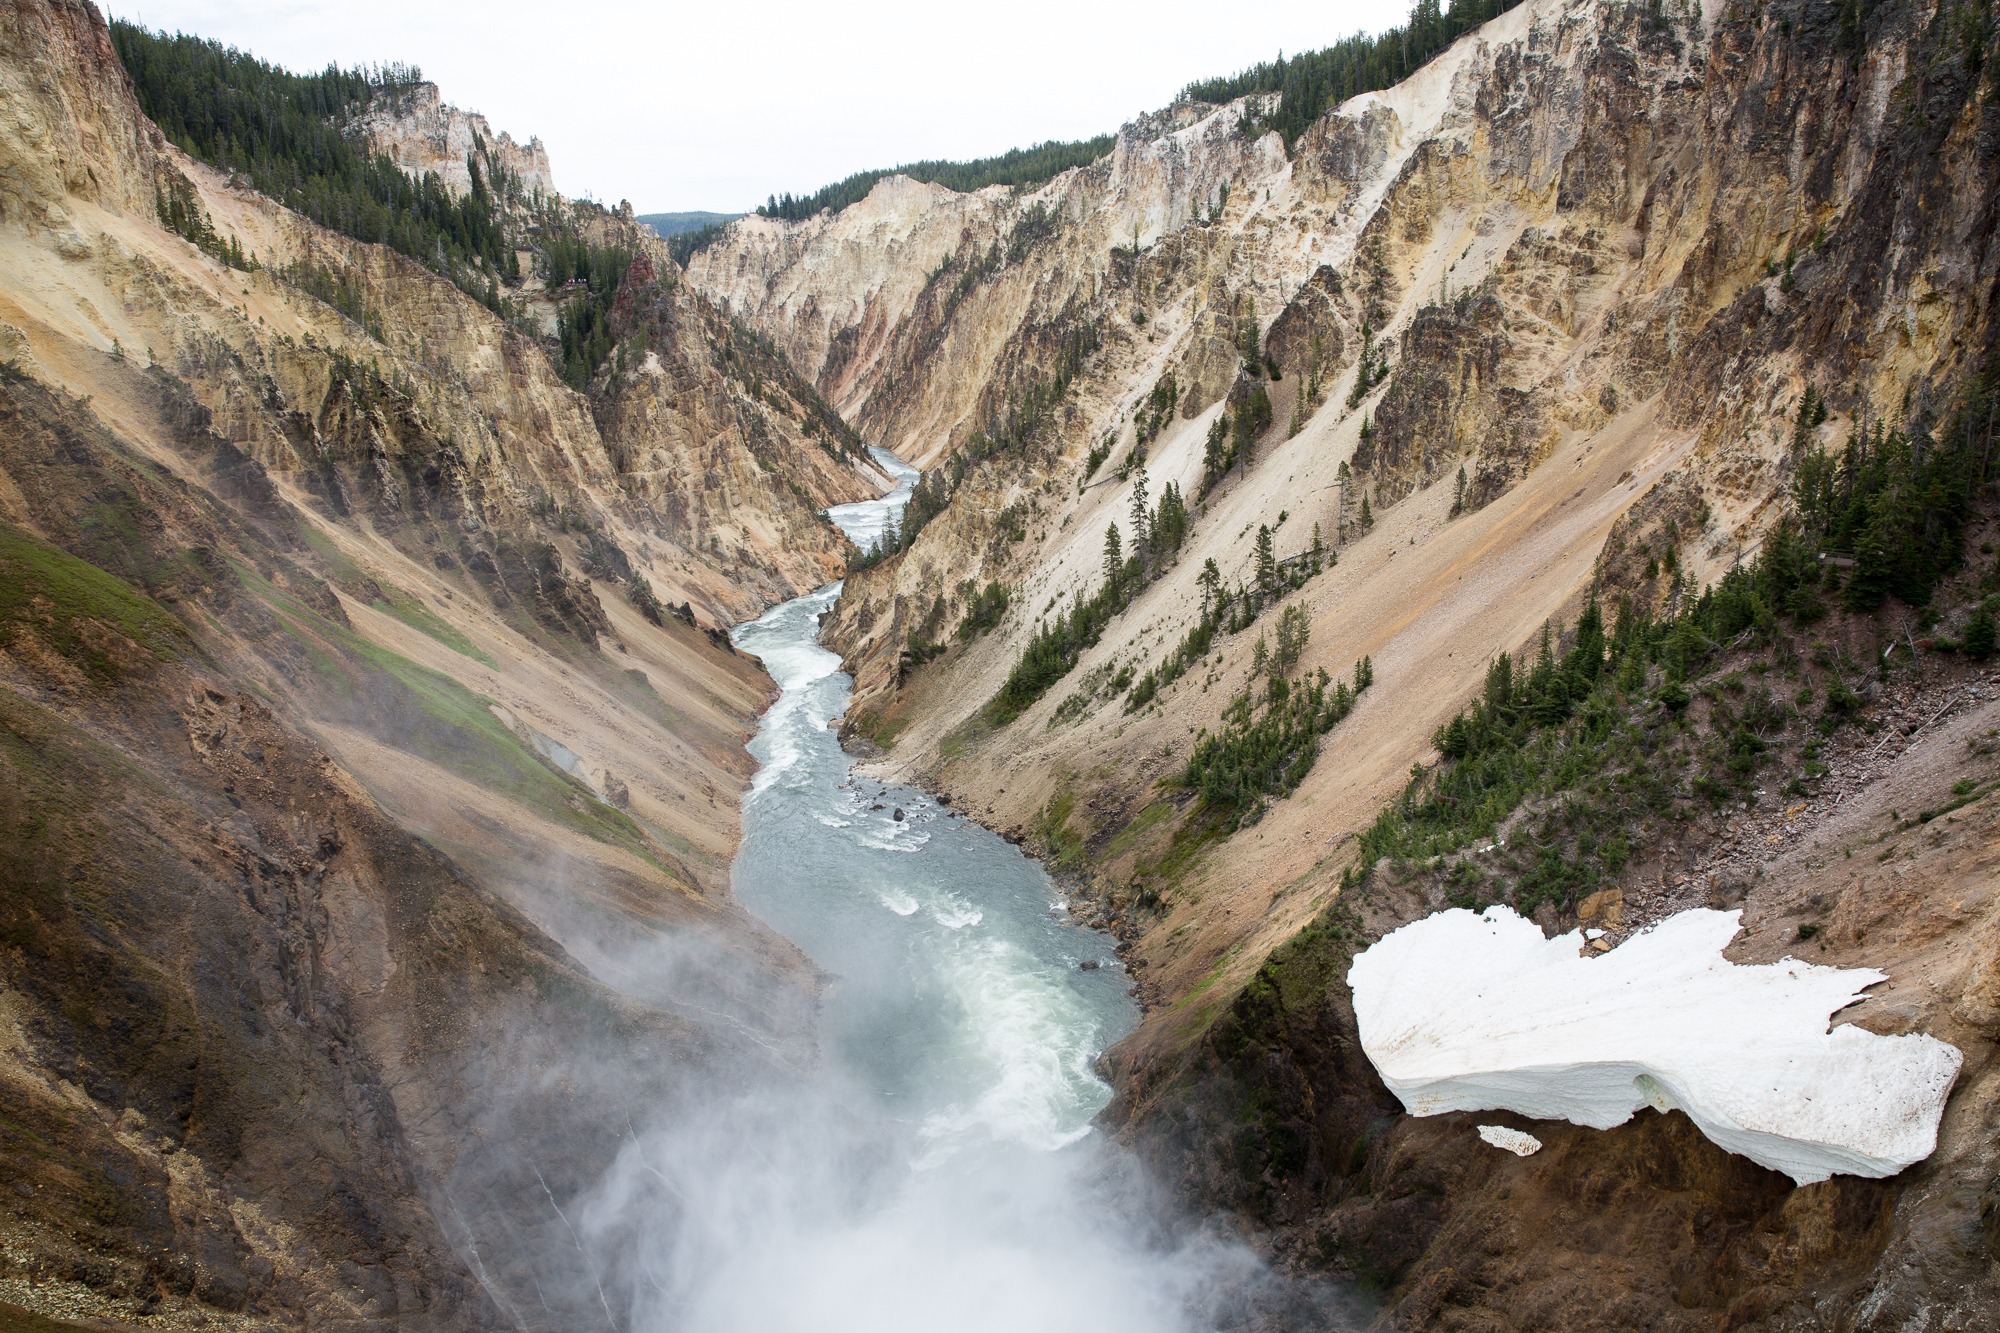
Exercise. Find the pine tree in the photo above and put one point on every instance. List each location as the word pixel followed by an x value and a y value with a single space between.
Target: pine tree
pixel 1812 411
pixel 1852 38
pixel 1216 455
pixel 1363 367
pixel 1210 583
pixel 1247 341
pixel 1114 561
pixel 1140 524
pixel 1979 641
pixel 1377 288
pixel 1267 564
pixel 1294 630
pixel 1168 527
pixel 1340 519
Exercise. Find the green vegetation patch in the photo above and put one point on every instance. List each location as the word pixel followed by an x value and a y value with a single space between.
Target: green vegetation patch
pixel 1257 756
pixel 413 612
pixel 1557 773
pixel 71 603
pixel 1288 989
pixel 285 132
pixel 1154 815
pixel 428 714
pixel 583 326
pixel 1055 647
pixel 1065 845
pixel 388 598
pixel 1193 837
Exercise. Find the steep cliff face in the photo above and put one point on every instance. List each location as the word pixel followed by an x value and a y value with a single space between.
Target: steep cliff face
pixel 1548 309
pixel 454 416
pixel 722 449
pixel 424 134
pixel 913 310
pixel 68 118
pixel 354 745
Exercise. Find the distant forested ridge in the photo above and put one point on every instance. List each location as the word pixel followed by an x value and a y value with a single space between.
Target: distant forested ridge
pixel 1017 166
pixel 1317 81
pixel 285 132
pixel 686 233
pixel 675 224
pixel 1310 83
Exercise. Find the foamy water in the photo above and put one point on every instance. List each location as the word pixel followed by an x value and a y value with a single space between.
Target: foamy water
pixel 957 997
pixel 865 521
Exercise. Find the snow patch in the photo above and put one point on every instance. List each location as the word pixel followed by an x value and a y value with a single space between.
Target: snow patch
pixel 1513 1140
pixel 1469 1012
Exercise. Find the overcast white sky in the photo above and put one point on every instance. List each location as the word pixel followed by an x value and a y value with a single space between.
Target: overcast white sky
pixel 716 105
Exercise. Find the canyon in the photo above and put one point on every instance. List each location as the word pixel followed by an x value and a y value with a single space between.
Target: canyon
pixel 1607 249
pixel 374 744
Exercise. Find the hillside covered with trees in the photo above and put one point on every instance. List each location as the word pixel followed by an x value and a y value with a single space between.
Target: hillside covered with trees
pixel 284 132
pixel 1315 81
pixel 1016 167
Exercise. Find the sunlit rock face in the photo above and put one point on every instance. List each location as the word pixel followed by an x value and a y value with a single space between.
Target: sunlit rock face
pixel 1469 1012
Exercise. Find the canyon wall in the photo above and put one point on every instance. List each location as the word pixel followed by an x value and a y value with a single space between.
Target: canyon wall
pixel 373 746
pixel 423 134
pixel 1597 254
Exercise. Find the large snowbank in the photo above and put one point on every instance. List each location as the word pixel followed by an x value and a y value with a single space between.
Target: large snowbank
pixel 1469 1012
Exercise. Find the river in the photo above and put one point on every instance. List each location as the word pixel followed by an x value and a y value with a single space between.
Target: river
pixel 936 1167
pixel 964 1000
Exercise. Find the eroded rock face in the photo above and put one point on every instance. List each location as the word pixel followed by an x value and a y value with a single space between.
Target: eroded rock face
pixel 1564 219
pixel 1602 254
pixel 424 135
pixel 65 115
pixel 726 451
pixel 909 308
pixel 342 756
pixel 265 1049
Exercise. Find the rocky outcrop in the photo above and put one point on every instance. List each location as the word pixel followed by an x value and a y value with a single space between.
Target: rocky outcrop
pixel 424 135
pixel 256 1028
pixel 452 423
pixel 1647 1224
pixel 66 118
pixel 902 308
pixel 1448 405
